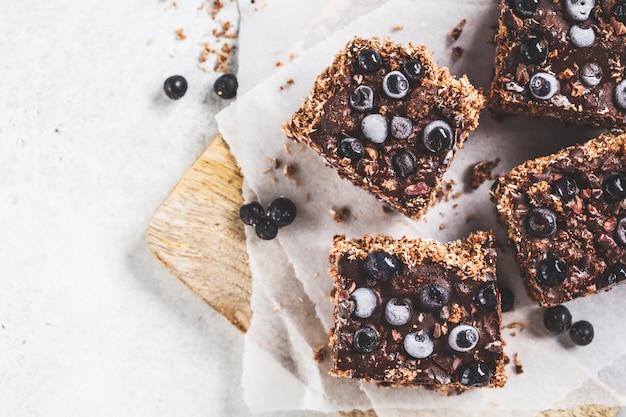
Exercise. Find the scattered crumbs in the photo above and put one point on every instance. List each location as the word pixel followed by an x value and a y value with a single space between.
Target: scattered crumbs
pixel 340 215
pixel 506 360
pixel 515 325
pixel 277 307
pixel 289 170
pixel 316 275
pixel 149 42
pixel 481 172
pixel 274 180
pixel 279 63
pixel 286 148
pixel 469 218
pixel 386 209
pixel 307 197
pixel 398 26
pixel 442 226
pixel 301 148
pixel 457 195
pixel 217 6
pixel 291 81
pixel 201 7
pixel 444 190
pixel 455 205
pixel 457 52
pixel 301 299
pixel 518 364
pixel 319 353
pixel 292 56
pixel 224 31
pixel 173 5
pixel 180 34
pixel 458 29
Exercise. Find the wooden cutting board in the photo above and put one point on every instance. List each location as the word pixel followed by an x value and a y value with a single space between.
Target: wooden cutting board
pixel 196 233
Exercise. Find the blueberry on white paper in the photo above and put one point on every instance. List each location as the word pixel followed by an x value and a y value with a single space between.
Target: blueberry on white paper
pixel 582 35
pixel 543 86
pixel 365 301
pixel 579 10
pixel 374 128
pixel 418 344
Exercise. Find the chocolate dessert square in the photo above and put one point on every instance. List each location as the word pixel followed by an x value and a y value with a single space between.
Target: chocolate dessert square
pixel 561 59
pixel 566 217
pixel 390 120
pixel 417 313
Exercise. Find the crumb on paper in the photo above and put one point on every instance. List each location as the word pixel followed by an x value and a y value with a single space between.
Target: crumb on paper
pixel 444 190
pixel 506 360
pixel 455 33
pixel 307 197
pixel 482 171
pixel 457 52
pixel 340 215
pixel 518 364
pixel 217 7
pixel 319 353
pixel 398 26
pixel 277 307
pixel 290 81
pixel 172 5
pixel 180 34
pixel 224 32
pixel 442 226
pixel 287 148
pixel 149 42
pixel 292 56
pixel 279 63
pixel 289 171
pixel 386 209
pixel 515 325
pixel 316 275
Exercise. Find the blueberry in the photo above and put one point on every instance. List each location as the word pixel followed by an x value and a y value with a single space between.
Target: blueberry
pixel 282 211
pixel 541 222
pixel 463 338
pixel 475 374
pixel 590 74
pixel 557 319
pixel 581 333
pixel 404 163
pixel 507 299
pixel 551 271
pixel 579 10
pixel 565 188
pixel 395 85
pixel 620 11
pixel 401 127
pixel 175 87
pixel 534 51
pixel 582 35
pixel 614 274
pixel 251 213
pixel 226 86
pixel 413 70
pixel 369 61
pixel 374 128
pixel 543 86
pixel 266 230
pixel 487 295
pixel 438 136
pixel 619 234
pixel 365 301
pixel 614 188
pixel 525 8
pixel 382 266
pixel 418 344
pixel 365 340
pixel 433 296
pixel 398 311
pixel 351 148
pixel 362 99
pixel 620 94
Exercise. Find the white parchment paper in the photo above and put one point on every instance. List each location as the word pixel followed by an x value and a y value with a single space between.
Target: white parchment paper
pixel 556 374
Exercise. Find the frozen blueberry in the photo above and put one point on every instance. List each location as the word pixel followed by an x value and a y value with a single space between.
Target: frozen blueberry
pixel 463 338
pixel 526 8
pixel 582 35
pixel 374 128
pixel 543 86
pixel 619 234
pixel 619 94
pixel 351 148
pixel 541 222
pixel 620 11
pixel 401 127
pixel 557 319
pixel 365 300
pixel 579 10
pixel 614 188
pixel 226 86
pixel 507 299
pixel 395 85
pixel 487 295
pixel 404 163
pixel 362 99
pixel 534 51
pixel 581 333
pixel 438 136
pixel 565 187
pixel 175 87
pixel 382 266
pixel 398 311
pixel 433 296
pixel 251 213
pixel 413 71
pixel 590 74
pixel 266 229
pixel 614 274
pixel 369 61
pixel 282 211
pixel 551 271
pixel 475 374
pixel 365 340
pixel 418 344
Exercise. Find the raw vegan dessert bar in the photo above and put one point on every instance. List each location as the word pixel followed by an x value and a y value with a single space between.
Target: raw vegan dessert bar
pixel 566 216
pixel 562 59
pixel 389 120
pixel 417 312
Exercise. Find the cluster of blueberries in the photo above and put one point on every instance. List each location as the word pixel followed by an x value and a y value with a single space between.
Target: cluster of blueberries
pixel 225 86
pixel 281 212
pixel 558 320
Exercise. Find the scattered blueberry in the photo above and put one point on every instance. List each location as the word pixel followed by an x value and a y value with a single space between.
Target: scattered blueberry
pixel 507 299
pixel 413 71
pixel 369 61
pixel 543 86
pixel 614 274
pixel 374 128
pixel 619 234
pixel 401 127
pixel 614 188
pixel 620 11
pixel 579 10
pixel 382 266
pixel 398 311
pixel 438 136
pixel 175 87
pixel 251 213
pixel 557 319
pixel 433 296
pixel 226 86
pixel 282 211
pixel 581 333
pixel 487 295
pixel 418 344
pixel 534 51
pixel 266 230
pixel 365 340
pixel 475 374
pixel 590 74
pixel 565 187
pixel 365 300
pixel 551 271
pixel 362 99
pixel 541 222
pixel 463 338
pixel 582 35
pixel 395 85
pixel 620 94
pixel 404 163
pixel 351 148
